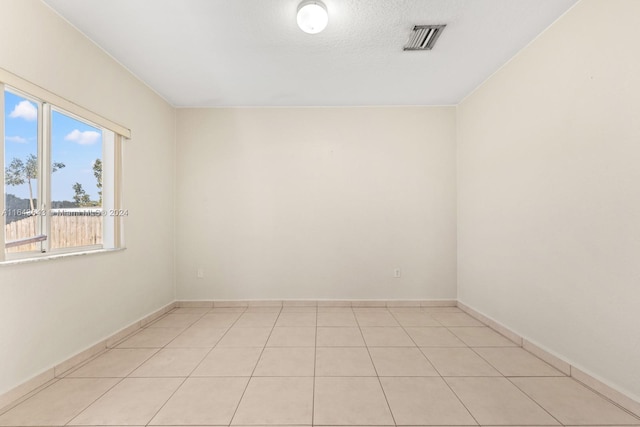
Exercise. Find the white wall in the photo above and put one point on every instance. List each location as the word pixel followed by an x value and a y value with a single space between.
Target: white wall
pixel 314 203
pixel 50 310
pixel 549 192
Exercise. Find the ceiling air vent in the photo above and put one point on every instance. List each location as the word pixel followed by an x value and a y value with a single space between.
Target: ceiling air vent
pixel 423 37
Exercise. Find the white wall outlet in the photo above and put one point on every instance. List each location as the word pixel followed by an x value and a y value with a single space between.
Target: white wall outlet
pixel 396 273
pixel 200 273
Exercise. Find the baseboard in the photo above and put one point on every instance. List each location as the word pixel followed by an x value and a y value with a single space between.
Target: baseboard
pixel 589 380
pixel 316 303
pixel 23 391
pixel 35 384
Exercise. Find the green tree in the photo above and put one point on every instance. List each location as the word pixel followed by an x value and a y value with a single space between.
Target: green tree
pixel 81 198
pixel 19 172
pixel 97 172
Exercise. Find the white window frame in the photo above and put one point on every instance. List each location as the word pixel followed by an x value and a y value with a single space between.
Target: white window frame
pixel 113 137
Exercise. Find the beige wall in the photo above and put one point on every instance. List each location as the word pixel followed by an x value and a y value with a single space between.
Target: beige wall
pixel 50 310
pixel 326 202
pixel 312 203
pixel 549 192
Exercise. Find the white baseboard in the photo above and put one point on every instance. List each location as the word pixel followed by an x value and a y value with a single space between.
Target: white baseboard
pixel 589 380
pixel 317 303
pixel 18 394
pixel 50 375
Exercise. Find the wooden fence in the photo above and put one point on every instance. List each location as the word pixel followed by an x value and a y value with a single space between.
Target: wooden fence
pixel 66 231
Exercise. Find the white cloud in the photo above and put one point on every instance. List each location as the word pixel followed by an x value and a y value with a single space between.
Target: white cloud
pixel 87 137
pixel 25 110
pixel 18 139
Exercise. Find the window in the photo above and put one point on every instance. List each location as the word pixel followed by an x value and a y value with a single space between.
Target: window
pixel 61 175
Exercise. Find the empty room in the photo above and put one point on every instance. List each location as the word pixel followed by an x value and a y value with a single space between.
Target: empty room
pixel 320 213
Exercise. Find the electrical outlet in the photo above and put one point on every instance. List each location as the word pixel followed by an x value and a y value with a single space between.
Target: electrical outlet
pixel 200 273
pixel 396 273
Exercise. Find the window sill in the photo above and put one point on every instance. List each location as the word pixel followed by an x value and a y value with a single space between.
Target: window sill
pixel 58 256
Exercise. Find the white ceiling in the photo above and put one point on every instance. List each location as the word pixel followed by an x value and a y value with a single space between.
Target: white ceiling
pixel 251 52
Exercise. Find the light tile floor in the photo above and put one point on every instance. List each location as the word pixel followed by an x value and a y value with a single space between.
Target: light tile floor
pixel 325 366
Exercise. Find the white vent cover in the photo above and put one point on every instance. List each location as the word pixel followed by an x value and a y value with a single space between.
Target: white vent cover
pixel 423 37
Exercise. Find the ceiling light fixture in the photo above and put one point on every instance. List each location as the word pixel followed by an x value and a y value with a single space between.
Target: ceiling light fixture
pixel 312 16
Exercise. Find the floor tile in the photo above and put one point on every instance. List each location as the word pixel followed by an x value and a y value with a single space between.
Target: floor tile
pixel 245 337
pixel 298 309
pixel 434 337
pixel 341 318
pixel 415 318
pixel 458 362
pixel 375 319
pixel 205 401
pixel 286 362
pixel 151 338
pixel 331 304
pixel 292 337
pixel 229 361
pixel 281 400
pixel 297 319
pixel 386 337
pixel 424 401
pixel 482 337
pixel 275 308
pixel 444 309
pixel 516 362
pixel 455 319
pixel 404 310
pixel 57 404
pixel 175 321
pixel 237 310
pixel 572 403
pixel 191 310
pixel 343 362
pixel 401 362
pixel 171 362
pixel 342 401
pixel 257 320
pixel 216 320
pixel 358 311
pixel 335 309
pixel 114 363
pixel 198 337
pixel 339 337
pixel 495 401
pixel 134 401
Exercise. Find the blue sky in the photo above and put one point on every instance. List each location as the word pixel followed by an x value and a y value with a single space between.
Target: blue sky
pixel 74 143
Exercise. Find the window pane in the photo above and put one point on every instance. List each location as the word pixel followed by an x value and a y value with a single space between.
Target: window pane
pixel 21 172
pixel 76 183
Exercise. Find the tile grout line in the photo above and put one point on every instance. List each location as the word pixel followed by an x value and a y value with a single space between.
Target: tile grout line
pixel 563 375
pixel 275 324
pixel 121 378
pixel 475 315
pixel 533 400
pixel 441 377
pixel 315 358
pixel 193 370
pixel 374 367
pixel 255 367
pixel 94 401
pixel 65 375
pixel 415 343
pixel 497 370
pixel 28 396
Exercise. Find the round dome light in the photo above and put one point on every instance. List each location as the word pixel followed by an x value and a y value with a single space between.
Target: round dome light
pixel 312 16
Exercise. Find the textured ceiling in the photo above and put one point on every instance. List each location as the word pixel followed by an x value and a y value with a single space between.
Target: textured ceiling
pixel 251 52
